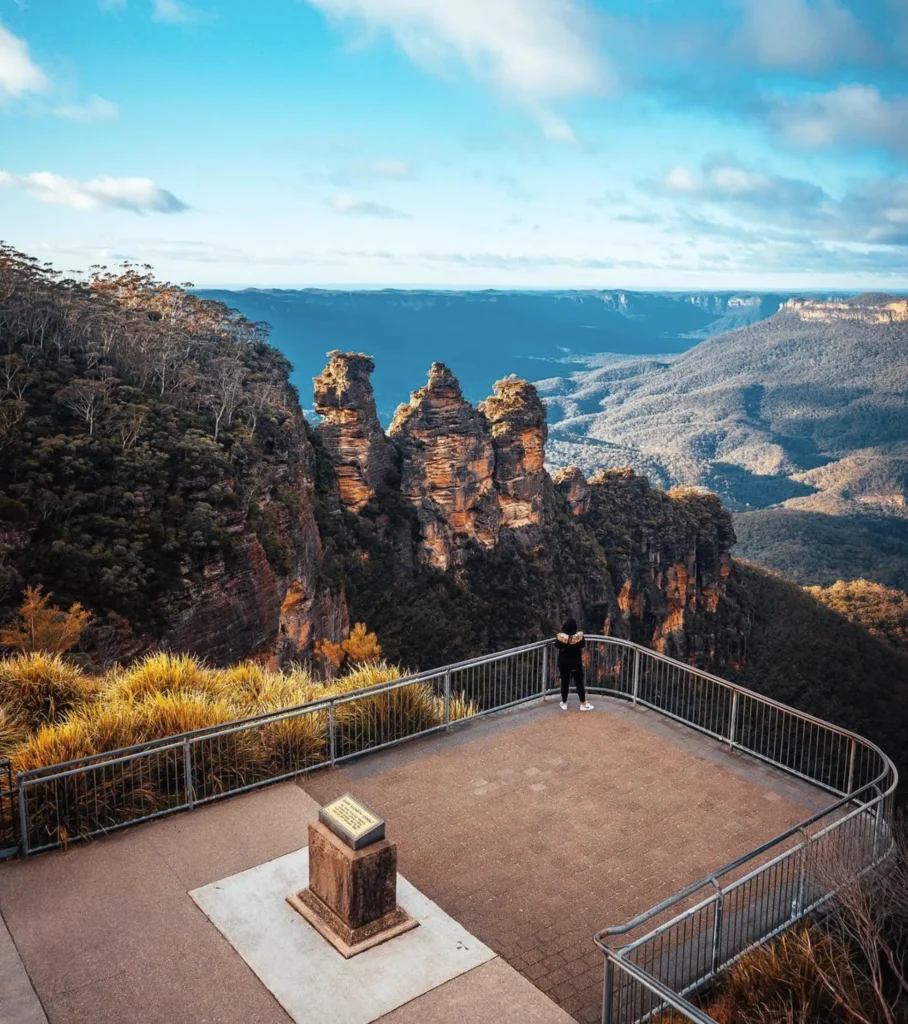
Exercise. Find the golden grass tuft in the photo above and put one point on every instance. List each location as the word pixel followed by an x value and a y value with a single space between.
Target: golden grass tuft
pixel 54 744
pixel 256 690
pixel 13 732
pixel 38 689
pixel 164 674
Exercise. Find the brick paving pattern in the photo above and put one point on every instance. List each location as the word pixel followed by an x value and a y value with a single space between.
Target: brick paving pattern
pixel 542 833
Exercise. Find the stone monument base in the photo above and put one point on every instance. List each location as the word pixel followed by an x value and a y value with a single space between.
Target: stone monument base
pixel 349 941
pixel 351 899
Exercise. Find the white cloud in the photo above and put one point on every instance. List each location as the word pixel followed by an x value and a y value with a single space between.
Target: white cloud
pixel 141 195
pixel 172 11
pixel 391 169
pixel 351 206
pixel 679 179
pixel 849 115
pixel 95 109
pixel 727 181
pixel 534 51
pixel 802 35
pixel 18 73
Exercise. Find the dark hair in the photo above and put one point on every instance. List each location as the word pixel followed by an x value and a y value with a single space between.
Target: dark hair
pixel 569 627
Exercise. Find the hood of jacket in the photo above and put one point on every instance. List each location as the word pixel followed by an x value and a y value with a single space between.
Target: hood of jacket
pixel 570 639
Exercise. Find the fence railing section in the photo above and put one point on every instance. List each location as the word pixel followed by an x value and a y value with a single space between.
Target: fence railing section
pixel 691 937
pixel 105 792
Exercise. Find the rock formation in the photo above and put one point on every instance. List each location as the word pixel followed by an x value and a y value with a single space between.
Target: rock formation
pixel 575 488
pixel 516 417
pixel 447 469
pixel 870 309
pixel 350 431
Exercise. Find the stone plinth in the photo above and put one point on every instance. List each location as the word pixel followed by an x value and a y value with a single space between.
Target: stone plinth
pixel 352 895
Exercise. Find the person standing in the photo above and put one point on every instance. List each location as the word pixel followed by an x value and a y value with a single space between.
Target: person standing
pixel 570 643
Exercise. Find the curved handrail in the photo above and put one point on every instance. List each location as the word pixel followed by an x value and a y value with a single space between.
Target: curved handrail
pixel 888 774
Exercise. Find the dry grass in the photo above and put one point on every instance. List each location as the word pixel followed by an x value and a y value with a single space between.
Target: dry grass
pixel 38 689
pixel 166 695
pixel 779 984
pixel 164 674
pixel 13 732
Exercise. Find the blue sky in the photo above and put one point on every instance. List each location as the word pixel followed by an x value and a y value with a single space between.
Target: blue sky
pixel 461 143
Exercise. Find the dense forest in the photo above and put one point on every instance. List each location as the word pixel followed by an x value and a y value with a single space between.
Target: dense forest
pixel 141 431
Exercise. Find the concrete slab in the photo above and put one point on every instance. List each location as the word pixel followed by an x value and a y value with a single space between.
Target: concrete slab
pixel 491 994
pixel 306 975
pixel 19 1003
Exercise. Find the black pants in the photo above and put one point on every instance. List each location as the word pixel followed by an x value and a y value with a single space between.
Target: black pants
pixel 567 672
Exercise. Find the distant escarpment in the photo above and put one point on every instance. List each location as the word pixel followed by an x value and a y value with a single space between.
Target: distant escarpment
pixel 870 308
pixel 466 544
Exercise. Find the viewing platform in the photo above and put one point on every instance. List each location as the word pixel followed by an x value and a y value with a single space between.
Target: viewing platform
pixel 559 865
pixel 532 828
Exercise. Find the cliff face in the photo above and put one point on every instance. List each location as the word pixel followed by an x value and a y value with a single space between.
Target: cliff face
pixel 447 469
pixel 244 602
pixel 575 488
pixel 350 431
pixel 868 309
pixel 516 419
pixel 523 550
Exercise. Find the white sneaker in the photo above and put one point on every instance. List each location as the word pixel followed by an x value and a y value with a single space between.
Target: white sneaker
pixel 586 706
pixel 563 706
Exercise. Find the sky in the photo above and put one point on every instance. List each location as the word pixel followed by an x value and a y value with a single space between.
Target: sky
pixel 735 144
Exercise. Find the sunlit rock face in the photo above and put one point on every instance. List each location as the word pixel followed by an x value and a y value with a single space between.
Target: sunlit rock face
pixel 574 487
pixel 516 418
pixel 350 431
pixel 870 309
pixel 447 469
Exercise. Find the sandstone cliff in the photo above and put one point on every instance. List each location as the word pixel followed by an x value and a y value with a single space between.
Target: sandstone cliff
pixel 518 551
pixel 350 431
pixel 868 309
pixel 447 469
pixel 516 418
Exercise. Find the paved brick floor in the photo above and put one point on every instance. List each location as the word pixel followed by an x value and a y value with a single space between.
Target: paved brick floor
pixel 537 828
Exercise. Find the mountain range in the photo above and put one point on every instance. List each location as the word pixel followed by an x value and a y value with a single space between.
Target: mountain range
pixel 484 335
pixel 799 423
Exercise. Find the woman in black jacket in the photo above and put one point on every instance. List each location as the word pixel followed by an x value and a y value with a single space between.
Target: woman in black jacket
pixel 570 643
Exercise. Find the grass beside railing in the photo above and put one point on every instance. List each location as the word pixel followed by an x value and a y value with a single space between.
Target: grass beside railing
pixel 53 715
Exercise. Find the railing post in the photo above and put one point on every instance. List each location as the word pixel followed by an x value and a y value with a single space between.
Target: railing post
pixel 448 699
pixel 544 682
pixel 636 683
pixel 332 736
pixel 850 786
pixel 608 991
pixel 717 928
pixel 23 824
pixel 802 881
pixel 187 773
pixel 733 720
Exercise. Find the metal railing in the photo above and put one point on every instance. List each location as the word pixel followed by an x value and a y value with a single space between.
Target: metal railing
pixel 699 931
pixel 102 793
pixel 691 936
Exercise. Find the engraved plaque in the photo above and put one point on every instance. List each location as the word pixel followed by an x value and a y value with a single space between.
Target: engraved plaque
pixel 352 821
